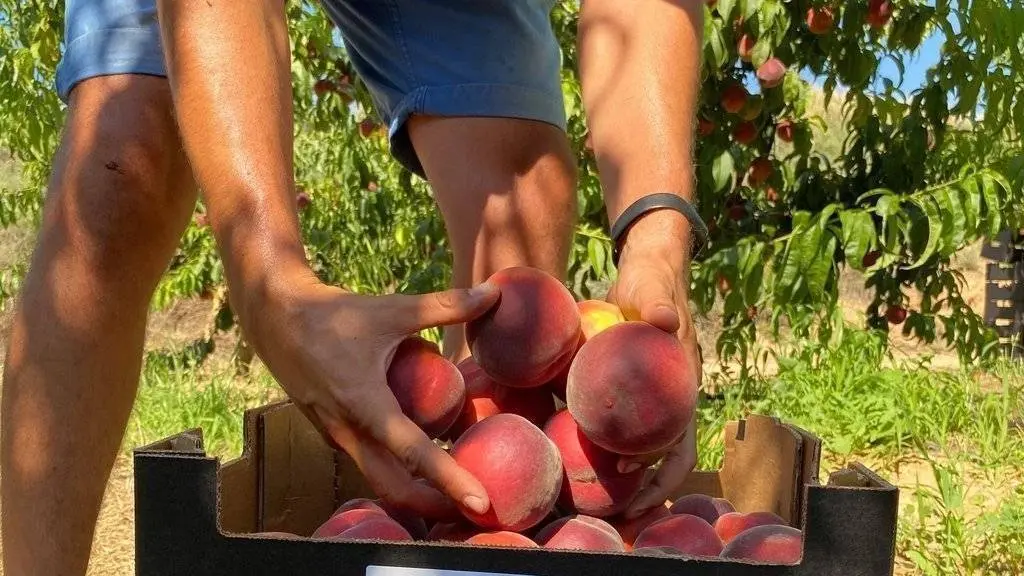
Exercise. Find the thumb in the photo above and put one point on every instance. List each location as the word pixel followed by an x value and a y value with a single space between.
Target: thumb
pixel 456 306
pixel 654 304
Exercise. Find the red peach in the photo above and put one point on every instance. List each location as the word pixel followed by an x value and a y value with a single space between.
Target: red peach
pixel 773 544
pixel 428 387
pixel 687 533
pixel 592 484
pixel 530 335
pixel 580 532
pixel 630 529
pixel 631 389
pixel 342 521
pixel 519 467
pixel 745 46
pixel 760 171
pixel 744 133
pixel 820 20
pixel 771 73
pixel 734 97
pixel 703 506
pixel 382 528
pixel 502 538
pixel 485 398
pixel 730 524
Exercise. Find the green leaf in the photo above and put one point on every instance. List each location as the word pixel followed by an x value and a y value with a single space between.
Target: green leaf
pixel 934 222
pixel 725 8
pixel 819 265
pixel 972 205
pixel 761 52
pixel 859 235
pixel 750 8
pixel 992 205
pixel 954 223
pixel 722 170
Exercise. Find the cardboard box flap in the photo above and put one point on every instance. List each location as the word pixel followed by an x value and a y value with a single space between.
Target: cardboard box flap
pixel 296 472
pixel 186 442
pixel 762 467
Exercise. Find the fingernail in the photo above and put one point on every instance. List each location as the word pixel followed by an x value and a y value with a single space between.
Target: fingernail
pixel 475 503
pixel 629 468
pixel 483 289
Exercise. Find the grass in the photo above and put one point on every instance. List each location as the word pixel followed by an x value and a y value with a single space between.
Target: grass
pixel 960 431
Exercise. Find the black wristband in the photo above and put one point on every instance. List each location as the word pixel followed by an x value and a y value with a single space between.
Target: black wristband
pixel 656 202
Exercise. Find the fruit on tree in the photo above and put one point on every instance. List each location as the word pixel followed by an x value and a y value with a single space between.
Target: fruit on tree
pixel 322 87
pixel 770 543
pixel 367 127
pixel 702 506
pixel 530 334
pixel 302 200
pixel 870 258
pixel 745 46
pixel 705 127
pixel 485 398
pixel 580 532
pixel 734 97
pixel 724 285
pixel 632 389
pixel 760 171
pixel 730 524
pixel 771 195
pixel 689 534
pixel 879 13
pixel 744 133
pixel 518 466
pixel 771 73
pixel 784 130
pixel 428 387
pixel 896 314
pixel 752 109
pixel 737 212
pixel 820 20
pixel 592 484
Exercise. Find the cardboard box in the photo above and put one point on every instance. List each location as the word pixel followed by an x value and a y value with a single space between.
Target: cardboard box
pixel 195 516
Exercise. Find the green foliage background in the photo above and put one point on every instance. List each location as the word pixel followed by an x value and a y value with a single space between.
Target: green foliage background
pixel 920 173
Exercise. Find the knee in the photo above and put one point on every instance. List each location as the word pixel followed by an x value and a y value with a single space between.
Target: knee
pixel 121 188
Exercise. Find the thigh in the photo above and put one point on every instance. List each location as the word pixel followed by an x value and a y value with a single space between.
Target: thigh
pixel 453 58
pixel 109 37
pixel 506 190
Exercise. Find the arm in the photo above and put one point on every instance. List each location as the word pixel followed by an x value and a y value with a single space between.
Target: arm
pixel 640 69
pixel 229 67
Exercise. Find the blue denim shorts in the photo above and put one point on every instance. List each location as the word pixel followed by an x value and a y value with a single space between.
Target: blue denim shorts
pixel 481 58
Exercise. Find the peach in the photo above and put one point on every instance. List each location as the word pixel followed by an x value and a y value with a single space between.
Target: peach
pixel 518 466
pixel 630 529
pixel 485 397
pixel 879 13
pixel 580 532
pixel 730 524
pixel 452 531
pixel 591 484
pixel 761 169
pixel 703 506
pixel 734 97
pixel 413 524
pixel 784 130
pixel 705 127
pixel 382 528
pixel 342 521
pixel 768 543
pixel 745 47
pixel 686 533
pixel 359 503
pixel 502 538
pixel 428 387
pixel 530 335
pixel 631 389
pixel 771 73
pixel 744 133
pixel 596 315
pixel 820 20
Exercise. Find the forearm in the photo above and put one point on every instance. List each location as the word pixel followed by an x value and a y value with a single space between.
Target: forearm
pixel 640 73
pixel 229 67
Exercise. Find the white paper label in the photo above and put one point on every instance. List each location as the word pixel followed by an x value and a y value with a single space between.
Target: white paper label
pixel 399 571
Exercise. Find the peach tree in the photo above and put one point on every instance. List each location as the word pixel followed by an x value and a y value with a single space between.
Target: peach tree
pixel 914 175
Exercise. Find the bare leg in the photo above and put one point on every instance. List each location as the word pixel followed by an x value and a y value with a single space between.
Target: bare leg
pixel 119 197
pixel 507 191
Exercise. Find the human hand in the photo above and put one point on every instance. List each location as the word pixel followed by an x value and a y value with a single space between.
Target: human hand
pixel 652 287
pixel 330 350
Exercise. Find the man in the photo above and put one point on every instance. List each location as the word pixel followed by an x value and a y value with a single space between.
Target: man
pixel 470 92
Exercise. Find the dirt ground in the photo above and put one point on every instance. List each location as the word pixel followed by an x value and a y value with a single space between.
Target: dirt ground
pixel 114 541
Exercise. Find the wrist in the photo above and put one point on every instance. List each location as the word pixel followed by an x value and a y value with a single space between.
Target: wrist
pixel 664 223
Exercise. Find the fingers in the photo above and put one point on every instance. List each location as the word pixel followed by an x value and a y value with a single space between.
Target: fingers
pixel 673 471
pixel 417 312
pixel 378 416
pixel 629 464
pixel 652 301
